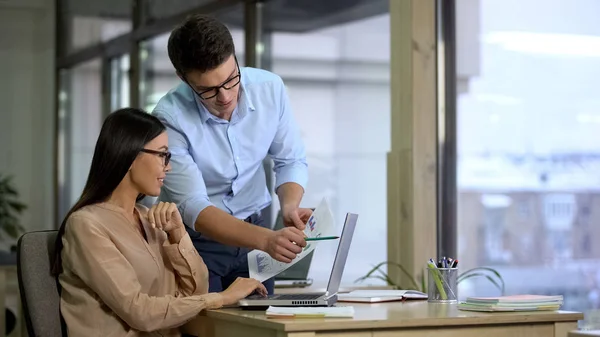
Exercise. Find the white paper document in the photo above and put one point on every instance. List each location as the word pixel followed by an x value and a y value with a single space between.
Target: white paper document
pixel 262 266
pixel 310 312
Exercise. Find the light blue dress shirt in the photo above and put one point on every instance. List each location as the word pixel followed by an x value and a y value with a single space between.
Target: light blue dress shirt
pixel 218 162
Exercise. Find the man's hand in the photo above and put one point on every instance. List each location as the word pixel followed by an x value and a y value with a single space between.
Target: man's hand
pixel 283 245
pixel 296 217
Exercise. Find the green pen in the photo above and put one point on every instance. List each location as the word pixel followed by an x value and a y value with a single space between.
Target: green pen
pixel 322 238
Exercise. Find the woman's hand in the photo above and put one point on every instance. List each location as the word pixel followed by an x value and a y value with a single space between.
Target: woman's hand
pixel 165 216
pixel 241 288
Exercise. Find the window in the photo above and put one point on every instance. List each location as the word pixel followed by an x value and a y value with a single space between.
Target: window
pixel 91 22
pixel 338 82
pixel 524 209
pixel 495 209
pixel 119 77
pixel 528 118
pixel 586 245
pixel 80 120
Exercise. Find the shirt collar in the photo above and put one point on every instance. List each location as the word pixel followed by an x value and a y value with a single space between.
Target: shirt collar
pixel 204 114
pixel 244 103
pixel 244 94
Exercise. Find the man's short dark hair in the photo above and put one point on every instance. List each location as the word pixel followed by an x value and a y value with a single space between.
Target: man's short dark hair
pixel 201 43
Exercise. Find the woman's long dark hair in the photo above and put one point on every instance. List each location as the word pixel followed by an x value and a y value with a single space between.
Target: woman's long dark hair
pixel 124 133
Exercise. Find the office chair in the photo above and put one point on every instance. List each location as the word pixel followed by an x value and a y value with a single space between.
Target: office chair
pixel 40 297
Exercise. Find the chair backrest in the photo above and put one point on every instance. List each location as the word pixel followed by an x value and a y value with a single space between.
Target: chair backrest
pixel 40 296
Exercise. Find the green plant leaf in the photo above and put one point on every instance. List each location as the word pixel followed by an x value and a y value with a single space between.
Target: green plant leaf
pixel 471 275
pixel 370 272
pixel 474 272
pixel 9 190
pixel 491 270
pixel 386 276
pixel 10 209
pixel 383 277
pixel 17 206
pixel 405 272
pixel 379 277
pixel 12 231
pixel 377 266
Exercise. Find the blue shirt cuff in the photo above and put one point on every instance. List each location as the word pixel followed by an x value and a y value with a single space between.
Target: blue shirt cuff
pixel 190 209
pixel 296 173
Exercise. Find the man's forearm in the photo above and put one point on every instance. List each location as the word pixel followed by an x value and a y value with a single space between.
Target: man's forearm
pixel 290 195
pixel 228 230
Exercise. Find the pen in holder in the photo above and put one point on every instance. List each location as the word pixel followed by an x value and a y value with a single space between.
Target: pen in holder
pixel 442 284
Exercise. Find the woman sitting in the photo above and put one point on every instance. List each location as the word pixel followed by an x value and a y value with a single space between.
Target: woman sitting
pixel 124 269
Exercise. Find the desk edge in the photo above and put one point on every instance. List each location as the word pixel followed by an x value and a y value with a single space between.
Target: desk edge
pixel 299 325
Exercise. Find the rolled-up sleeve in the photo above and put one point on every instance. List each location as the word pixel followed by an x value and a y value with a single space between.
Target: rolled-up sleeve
pixel 287 149
pixel 191 271
pixel 184 184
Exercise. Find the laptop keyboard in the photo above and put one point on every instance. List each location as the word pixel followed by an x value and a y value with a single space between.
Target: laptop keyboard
pixel 285 297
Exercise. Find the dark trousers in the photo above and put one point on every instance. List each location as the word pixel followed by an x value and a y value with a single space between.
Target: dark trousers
pixel 226 263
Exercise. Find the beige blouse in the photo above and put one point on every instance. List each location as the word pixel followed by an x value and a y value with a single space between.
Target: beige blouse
pixel 115 283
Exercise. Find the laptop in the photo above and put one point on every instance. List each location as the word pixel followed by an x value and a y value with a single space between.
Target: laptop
pixel 297 275
pixel 326 299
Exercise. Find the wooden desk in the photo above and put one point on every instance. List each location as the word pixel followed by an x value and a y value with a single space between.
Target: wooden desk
pixel 412 319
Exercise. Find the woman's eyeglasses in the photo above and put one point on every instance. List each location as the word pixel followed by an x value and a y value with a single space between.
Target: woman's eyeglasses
pixel 166 155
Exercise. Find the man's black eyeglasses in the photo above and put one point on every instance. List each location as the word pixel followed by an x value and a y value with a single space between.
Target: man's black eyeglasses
pixel 214 91
pixel 166 155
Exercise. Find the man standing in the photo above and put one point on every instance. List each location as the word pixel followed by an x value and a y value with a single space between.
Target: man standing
pixel 222 121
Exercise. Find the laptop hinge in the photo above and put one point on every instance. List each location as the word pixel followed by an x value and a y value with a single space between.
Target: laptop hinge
pixel 327 296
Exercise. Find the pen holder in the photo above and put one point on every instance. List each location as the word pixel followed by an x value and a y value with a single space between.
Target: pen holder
pixel 442 285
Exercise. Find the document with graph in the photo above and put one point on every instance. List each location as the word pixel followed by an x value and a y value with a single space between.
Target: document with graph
pixel 262 266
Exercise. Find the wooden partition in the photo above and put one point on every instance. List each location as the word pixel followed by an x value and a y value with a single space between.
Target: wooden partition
pixel 412 161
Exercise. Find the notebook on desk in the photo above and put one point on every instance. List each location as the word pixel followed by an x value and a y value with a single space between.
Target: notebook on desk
pixel 376 296
pixel 512 303
pixel 329 297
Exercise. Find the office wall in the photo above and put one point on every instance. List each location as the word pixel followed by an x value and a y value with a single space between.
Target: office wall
pixel 27 105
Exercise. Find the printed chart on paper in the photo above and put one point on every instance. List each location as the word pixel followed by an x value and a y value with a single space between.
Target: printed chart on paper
pixel 262 266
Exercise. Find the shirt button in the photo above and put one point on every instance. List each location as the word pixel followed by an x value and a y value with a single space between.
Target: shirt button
pixel 183 250
pixel 237 157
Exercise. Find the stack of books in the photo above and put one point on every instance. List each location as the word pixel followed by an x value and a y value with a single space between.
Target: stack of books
pixel 512 303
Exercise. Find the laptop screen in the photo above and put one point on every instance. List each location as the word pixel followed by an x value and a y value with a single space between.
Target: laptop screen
pixel 342 254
